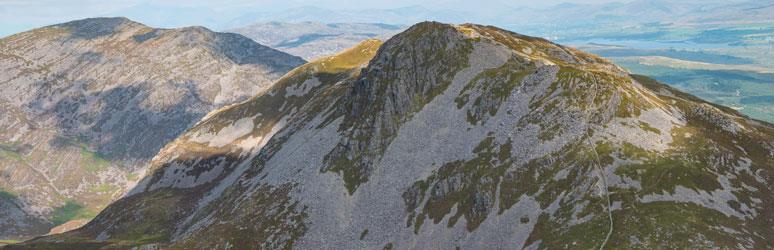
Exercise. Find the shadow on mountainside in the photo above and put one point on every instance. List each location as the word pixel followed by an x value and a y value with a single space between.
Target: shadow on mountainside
pixel 14 215
pixel 119 124
pixel 242 50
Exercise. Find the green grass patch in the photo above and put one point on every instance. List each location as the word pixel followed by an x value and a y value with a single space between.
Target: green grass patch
pixel 7 194
pixel 663 172
pixel 71 210
pixel 132 176
pixel 93 161
pixel 102 188
pixel 647 127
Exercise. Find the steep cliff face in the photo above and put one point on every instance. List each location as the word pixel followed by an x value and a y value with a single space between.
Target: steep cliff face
pixel 86 104
pixel 455 136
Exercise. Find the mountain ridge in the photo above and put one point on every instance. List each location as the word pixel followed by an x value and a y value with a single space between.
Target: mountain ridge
pixel 449 136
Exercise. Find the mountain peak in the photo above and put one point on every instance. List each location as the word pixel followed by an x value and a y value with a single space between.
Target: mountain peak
pixel 90 28
pixel 105 21
pixel 535 48
pixel 526 47
pixel 425 28
pixel 498 139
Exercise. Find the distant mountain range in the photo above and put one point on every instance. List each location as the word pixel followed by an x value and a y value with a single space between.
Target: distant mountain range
pixel 85 105
pixel 404 16
pixel 549 21
pixel 503 14
pixel 312 32
pixel 312 40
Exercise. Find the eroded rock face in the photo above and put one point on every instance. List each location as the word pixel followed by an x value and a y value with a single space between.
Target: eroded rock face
pixel 455 136
pixel 85 105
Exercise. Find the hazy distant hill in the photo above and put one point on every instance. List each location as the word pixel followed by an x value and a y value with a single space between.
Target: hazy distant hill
pixel 312 40
pixel 406 16
pixel 760 11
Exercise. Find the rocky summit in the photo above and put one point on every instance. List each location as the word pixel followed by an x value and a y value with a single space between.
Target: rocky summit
pixel 86 104
pixel 454 136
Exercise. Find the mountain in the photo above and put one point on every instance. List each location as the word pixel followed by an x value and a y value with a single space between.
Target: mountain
pixel 158 15
pixel 454 136
pixel 742 13
pixel 402 15
pixel 613 15
pixel 85 105
pixel 312 40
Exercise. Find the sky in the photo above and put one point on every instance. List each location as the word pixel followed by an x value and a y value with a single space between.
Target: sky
pixel 21 15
